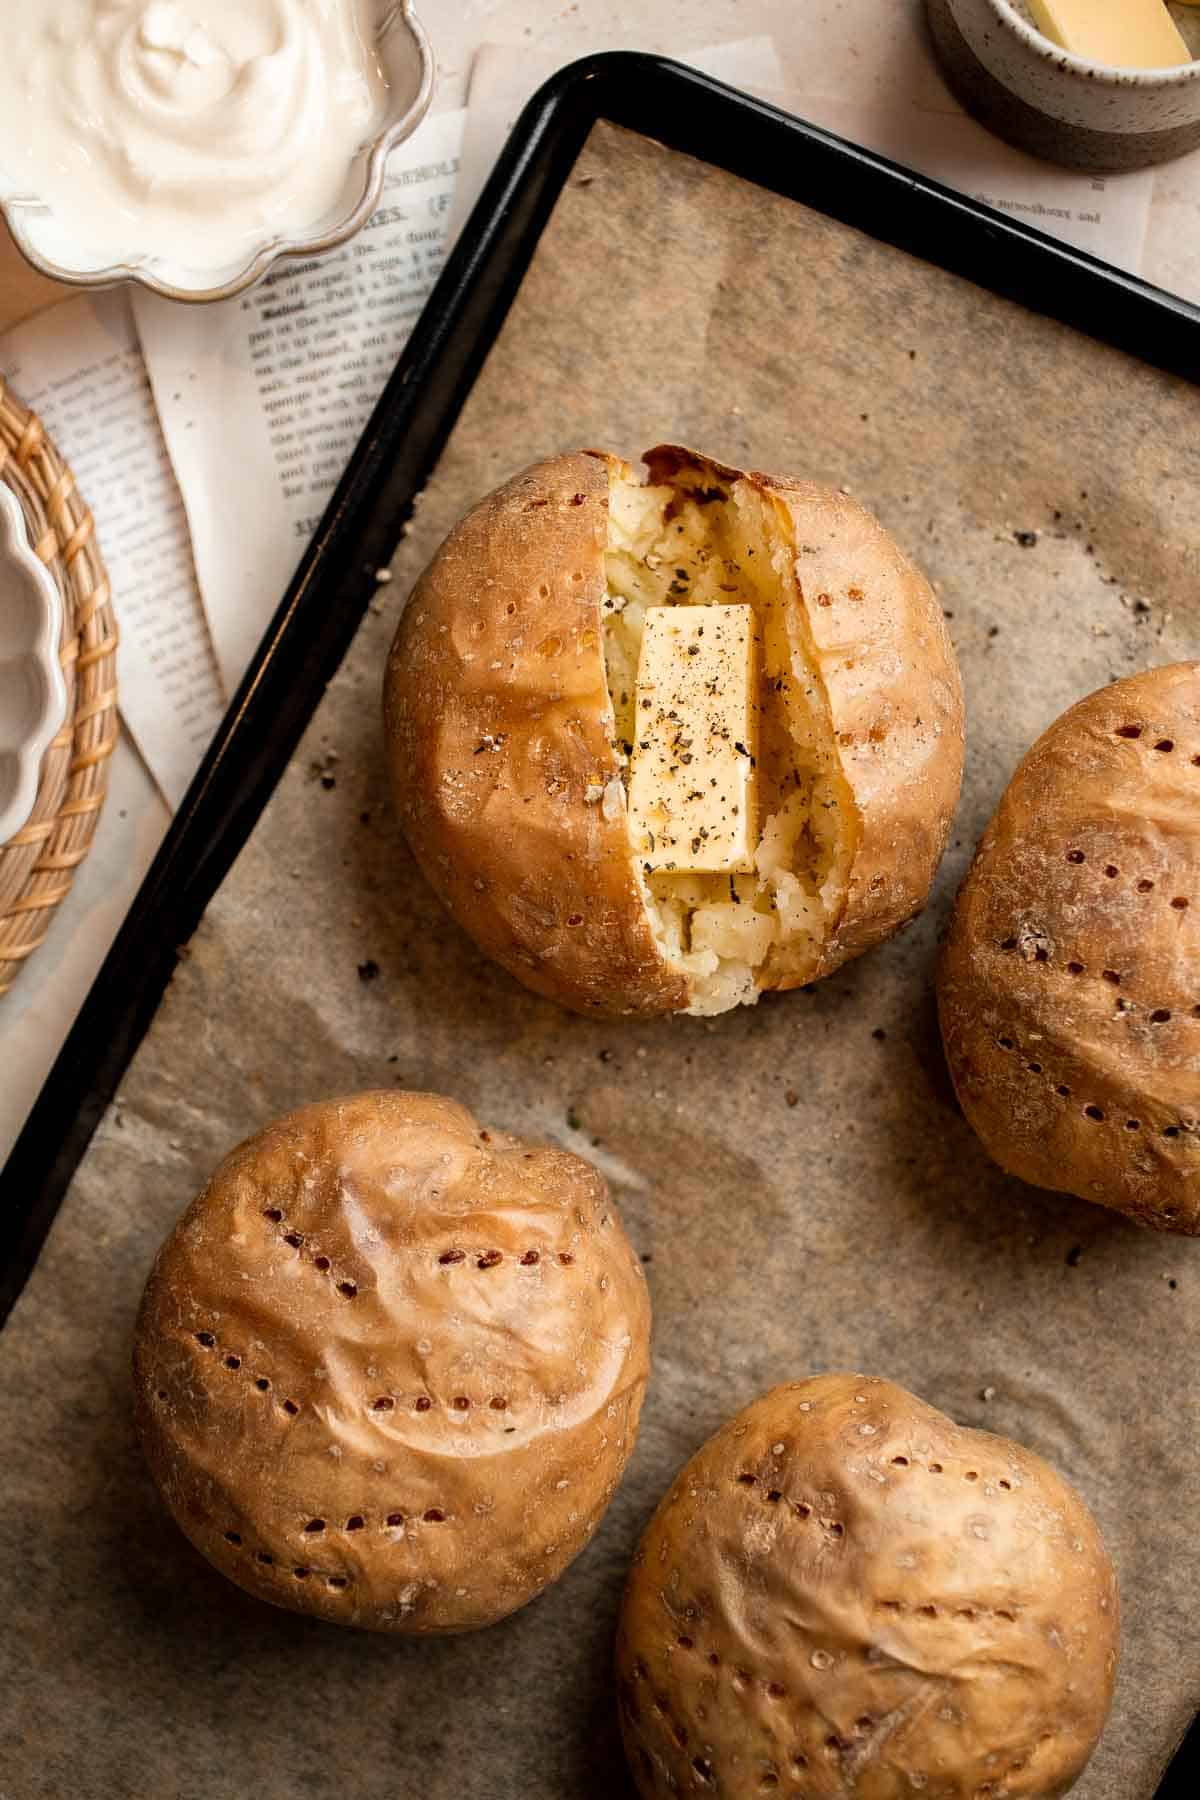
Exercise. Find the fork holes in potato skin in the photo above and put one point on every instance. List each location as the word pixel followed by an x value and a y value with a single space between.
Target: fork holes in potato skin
pixel 1034 1068
pixel 422 1403
pixel 315 1525
pixel 1112 871
pixel 1076 856
pixel 290 1407
pixel 434 1516
pixel 1129 731
pixel 1064 1091
pixel 205 1339
pixel 233 1362
pixel 1160 1016
pixel 322 1263
pixel 1074 968
pixel 900 1462
pixel 1165 746
pixel 1005 1043
pixel 233 1537
pixel 355 1522
pixel 1180 903
pixel 394 1519
pixel 273 1213
pixel 1093 1112
pixel 1111 975
pixel 347 1290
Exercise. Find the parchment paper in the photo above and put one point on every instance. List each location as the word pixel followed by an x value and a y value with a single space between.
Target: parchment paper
pixel 797 1177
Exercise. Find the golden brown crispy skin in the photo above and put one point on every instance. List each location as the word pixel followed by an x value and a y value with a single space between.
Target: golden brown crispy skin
pixel 1069 988
pixel 844 1593
pixel 499 729
pixel 878 644
pixel 388 1366
pixel 500 738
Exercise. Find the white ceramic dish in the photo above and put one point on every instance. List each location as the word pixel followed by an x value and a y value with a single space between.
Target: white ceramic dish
pixel 407 60
pixel 1038 95
pixel 33 695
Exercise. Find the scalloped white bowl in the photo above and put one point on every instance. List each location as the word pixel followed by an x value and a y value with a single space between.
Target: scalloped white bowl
pixel 407 59
pixel 33 695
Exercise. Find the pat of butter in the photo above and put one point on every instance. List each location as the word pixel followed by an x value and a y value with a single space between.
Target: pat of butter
pixel 691 787
pixel 1129 34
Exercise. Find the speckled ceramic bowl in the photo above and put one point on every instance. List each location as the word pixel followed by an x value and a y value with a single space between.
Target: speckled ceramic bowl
pixel 1041 97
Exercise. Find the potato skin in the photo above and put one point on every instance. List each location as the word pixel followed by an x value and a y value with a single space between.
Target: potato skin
pixel 1069 987
pixel 388 1367
pixel 498 729
pixel 845 1593
pixel 878 643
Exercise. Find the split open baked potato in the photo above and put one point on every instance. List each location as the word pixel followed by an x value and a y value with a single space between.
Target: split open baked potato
pixel 515 722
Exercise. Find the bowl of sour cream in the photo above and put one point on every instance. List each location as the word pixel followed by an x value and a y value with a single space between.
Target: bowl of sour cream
pixel 188 144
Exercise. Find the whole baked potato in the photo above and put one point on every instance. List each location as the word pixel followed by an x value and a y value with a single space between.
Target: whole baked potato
pixel 1069 988
pixel 845 1593
pixel 388 1366
pixel 519 711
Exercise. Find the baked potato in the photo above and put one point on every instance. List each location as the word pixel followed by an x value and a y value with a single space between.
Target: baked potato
pixel 518 709
pixel 388 1366
pixel 1069 986
pixel 845 1593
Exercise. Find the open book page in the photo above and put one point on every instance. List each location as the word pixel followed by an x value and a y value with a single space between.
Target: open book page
pixel 38 1010
pixel 263 398
pixel 79 366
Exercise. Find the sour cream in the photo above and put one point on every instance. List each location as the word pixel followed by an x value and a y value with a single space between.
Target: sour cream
pixel 187 130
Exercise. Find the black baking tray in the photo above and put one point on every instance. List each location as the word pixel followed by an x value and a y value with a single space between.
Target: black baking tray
pixel 398 451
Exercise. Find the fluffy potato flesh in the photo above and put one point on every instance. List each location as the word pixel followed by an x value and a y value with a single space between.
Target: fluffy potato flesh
pixel 691 544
